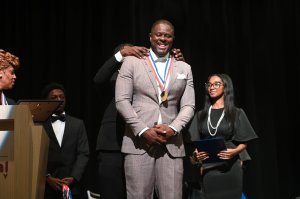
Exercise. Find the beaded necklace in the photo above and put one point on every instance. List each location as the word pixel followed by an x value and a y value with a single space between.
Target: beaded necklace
pixel 210 125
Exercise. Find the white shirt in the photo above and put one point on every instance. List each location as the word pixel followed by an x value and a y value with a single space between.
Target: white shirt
pixel 119 56
pixel 59 128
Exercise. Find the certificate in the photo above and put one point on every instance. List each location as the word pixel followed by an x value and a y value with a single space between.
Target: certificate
pixel 211 146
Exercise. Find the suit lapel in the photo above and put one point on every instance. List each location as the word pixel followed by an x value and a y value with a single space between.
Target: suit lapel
pixel 151 75
pixel 172 74
pixel 49 130
pixel 67 130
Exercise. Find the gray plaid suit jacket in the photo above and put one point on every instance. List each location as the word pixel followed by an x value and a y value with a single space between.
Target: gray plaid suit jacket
pixel 138 103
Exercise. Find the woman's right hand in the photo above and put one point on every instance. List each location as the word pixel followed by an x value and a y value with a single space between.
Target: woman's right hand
pixel 200 155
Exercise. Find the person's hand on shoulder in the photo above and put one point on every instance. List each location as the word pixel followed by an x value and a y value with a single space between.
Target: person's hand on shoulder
pixel 137 51
pixel 176 52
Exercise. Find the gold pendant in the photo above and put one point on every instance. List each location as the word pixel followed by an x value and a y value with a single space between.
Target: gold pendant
pixel 164 96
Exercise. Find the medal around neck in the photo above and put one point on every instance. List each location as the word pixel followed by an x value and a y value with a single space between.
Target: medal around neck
pixel 164 96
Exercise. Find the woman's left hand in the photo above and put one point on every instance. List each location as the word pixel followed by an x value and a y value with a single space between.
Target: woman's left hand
pixel 227 154
pixel 230 153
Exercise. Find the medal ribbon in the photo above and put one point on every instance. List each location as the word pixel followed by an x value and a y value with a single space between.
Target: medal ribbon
pixel 161 81
pixel 66 192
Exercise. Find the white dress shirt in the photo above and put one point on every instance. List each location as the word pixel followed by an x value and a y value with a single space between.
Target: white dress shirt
pixel 59 128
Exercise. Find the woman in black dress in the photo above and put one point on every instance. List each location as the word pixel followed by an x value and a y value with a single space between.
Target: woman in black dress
pixel 221 118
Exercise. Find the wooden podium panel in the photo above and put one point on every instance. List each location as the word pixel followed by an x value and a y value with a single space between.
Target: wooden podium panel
pixel 23 176
pixel 40 145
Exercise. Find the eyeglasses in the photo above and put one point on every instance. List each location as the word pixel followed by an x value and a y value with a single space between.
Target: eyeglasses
pixel 215 84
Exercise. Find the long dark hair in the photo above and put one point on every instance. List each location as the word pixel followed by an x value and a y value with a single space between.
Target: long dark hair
pixel 229 105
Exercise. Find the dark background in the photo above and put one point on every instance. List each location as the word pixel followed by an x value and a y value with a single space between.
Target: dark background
pixel 255 42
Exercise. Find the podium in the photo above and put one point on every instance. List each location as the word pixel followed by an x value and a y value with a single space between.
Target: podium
pixel 23 154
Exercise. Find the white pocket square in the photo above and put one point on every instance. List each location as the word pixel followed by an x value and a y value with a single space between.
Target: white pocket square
pixel 181 76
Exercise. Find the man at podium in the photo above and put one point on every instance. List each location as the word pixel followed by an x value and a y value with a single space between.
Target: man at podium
pixel 8 64
pixel 68 147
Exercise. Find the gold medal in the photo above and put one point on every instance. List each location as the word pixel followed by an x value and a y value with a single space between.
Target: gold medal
pixel 164 96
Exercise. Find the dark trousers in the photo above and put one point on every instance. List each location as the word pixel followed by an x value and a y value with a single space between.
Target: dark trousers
pixel 111 175
pixel 51 194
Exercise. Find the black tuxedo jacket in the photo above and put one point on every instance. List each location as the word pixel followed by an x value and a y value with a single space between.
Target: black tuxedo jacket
pixel 71 158
pixel 112 125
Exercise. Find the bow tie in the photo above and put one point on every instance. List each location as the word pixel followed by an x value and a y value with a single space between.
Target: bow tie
pixel 60 117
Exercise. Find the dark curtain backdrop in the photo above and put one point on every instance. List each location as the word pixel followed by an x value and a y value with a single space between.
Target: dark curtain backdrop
pixel 255 42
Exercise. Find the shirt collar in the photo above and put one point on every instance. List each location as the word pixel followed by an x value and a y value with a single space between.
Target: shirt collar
pixel 63 113
pixel 159 59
